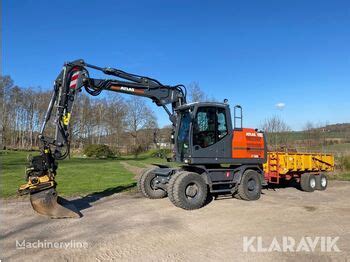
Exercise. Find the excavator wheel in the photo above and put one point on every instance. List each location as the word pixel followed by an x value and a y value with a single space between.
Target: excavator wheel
pixel 188 191
pixel 250 186
pixel 145 185
pixel 46 202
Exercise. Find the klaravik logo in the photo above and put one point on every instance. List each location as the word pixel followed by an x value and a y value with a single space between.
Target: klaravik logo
pixel 290 244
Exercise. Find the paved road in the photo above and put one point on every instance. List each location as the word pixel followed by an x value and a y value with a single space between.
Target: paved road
pixel 126 227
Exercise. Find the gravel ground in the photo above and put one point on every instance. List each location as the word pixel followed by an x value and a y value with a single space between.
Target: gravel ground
pixel 127 227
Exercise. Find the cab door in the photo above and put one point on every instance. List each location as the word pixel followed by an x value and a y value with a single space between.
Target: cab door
pixel 210 132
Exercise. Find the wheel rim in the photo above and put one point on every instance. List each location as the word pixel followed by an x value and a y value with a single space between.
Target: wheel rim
pixel 323 181
pixel 312 182
pixel 251 185
pixel 153 183
pixel 191 190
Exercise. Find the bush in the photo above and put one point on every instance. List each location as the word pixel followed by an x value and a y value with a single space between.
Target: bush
pixel 161 153
pixel 98 151
pixel 116 152
pixel 344 163
pixel 136 150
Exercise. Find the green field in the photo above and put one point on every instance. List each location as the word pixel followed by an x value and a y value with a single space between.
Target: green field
pixel 82 176
pixel 76 176
pixel 343 176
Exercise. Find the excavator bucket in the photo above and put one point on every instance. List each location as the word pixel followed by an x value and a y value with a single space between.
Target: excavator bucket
pixel 47 203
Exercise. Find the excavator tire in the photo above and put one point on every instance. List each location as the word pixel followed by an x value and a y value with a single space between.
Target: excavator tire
pixel 171 185
pixel 189 191
pixel 144 185
pixel 250 186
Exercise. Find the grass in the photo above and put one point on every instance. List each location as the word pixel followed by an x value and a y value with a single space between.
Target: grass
pixel 75 176
pixel 82 176
pixel 342 168
pixel 343 176
pixel 145 159
pixel 336 149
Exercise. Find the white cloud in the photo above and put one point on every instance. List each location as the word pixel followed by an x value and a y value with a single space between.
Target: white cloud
pixel 280 105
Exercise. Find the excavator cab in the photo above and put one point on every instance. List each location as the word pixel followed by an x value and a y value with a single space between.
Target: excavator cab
pixel 204 133
pixel 205 136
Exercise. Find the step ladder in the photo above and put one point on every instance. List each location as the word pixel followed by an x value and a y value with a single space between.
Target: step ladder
pixel 273 167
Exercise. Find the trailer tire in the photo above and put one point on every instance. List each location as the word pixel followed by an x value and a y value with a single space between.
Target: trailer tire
pixel 189 191
pixel 250 186
pixel 321 182
pixel 144 185
pixel 308 182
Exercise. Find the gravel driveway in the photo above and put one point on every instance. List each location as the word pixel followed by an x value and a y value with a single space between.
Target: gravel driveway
pixel 126 227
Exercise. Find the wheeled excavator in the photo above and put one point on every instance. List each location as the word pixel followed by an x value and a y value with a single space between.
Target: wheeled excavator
pixel 217 154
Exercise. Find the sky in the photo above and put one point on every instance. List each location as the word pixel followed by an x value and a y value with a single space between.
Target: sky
pixel 289 58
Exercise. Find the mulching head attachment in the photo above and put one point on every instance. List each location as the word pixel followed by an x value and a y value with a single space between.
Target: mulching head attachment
pixel 47 203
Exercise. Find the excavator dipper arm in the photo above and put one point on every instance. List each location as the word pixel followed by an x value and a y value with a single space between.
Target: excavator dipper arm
pixel 41 171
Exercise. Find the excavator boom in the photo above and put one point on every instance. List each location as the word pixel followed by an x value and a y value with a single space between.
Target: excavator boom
pixel 41 171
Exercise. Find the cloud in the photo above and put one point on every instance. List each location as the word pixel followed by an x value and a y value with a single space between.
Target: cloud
pixel 280 105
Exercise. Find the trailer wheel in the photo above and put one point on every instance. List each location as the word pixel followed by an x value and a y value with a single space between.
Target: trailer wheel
pixel 145 185
pixel 308 182
pixel 188 191
pixel 250 187
pixel 321 182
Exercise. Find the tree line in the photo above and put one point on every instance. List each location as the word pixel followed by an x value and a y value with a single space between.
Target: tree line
pixel 312 137
pixel 123 124
pixel 126 125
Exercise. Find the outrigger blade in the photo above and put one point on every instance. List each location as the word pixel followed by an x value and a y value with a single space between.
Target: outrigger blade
pixel 46 202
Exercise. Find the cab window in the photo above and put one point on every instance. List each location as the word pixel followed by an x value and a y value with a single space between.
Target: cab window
pixel 222 125
pixel 209 126
pixel 183 134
